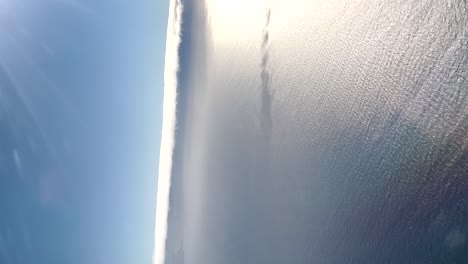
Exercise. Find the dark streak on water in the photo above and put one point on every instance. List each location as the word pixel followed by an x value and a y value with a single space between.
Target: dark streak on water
pixel 267 93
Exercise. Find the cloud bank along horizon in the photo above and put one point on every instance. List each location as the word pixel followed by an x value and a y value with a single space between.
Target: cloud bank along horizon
pixel 171 67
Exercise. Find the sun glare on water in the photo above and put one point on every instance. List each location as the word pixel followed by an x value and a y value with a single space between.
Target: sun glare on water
pixel 231 19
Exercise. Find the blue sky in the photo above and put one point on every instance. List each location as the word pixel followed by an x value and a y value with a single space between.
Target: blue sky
pixel 81 116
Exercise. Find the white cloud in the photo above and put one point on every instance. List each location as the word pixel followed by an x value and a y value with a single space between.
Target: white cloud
pixel 168 128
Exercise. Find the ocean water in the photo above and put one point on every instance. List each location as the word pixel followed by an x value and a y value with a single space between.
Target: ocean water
pixel 321 132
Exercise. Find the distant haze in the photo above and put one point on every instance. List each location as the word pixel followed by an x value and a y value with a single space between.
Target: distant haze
pixel 168 129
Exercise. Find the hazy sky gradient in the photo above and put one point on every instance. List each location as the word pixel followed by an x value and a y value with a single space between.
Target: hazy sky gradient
pixel 81 84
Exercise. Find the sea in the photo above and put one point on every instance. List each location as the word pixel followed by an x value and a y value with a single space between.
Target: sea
pixel 321 132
